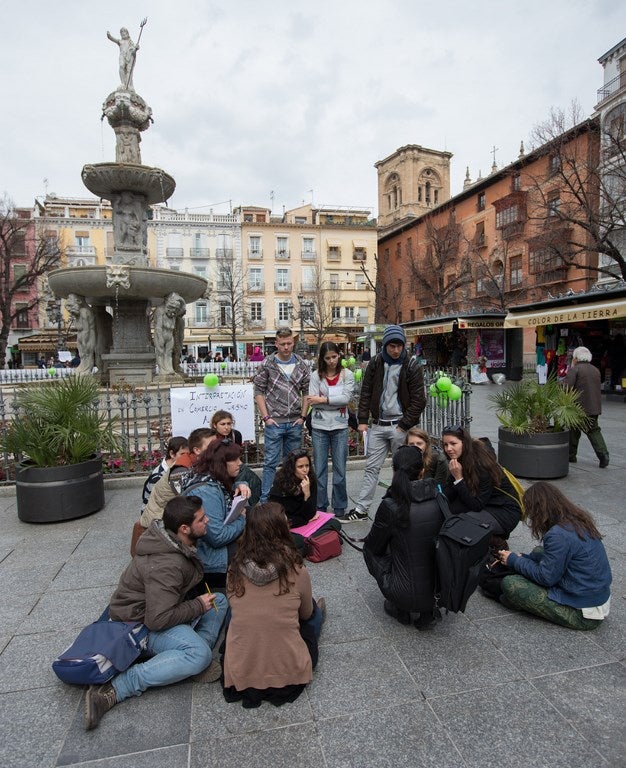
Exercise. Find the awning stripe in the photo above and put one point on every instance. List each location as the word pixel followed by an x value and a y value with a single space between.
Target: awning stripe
pixel 571 313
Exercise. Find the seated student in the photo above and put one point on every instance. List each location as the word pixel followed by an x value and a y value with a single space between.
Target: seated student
pixel 272 638
pixel 154 590
pixel 163 491
pixel 399 550
pixel 176 447
pixel 435 463
pixel 568 580
pixel 222 422
pixel 295 489
pixel 213 479
pixel 477 485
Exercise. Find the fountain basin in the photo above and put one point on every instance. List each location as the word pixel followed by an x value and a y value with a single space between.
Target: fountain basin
pixel 143 283
pixel 107 179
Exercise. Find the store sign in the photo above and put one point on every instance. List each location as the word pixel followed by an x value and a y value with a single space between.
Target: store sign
pixel 570 314
pixel 431 330
pixel 464 323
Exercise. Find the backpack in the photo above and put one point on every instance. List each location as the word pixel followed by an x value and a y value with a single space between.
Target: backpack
pixel 101 651
pixel 461 550
pixel 519 490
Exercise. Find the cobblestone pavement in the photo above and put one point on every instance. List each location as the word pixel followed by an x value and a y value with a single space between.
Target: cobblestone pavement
pixel 484 688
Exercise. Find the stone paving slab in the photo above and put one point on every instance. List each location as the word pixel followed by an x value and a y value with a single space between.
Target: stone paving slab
pixel 485 688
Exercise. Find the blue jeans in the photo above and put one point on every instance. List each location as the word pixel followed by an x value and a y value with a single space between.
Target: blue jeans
pixel 337 441
pixel 279 440
pixel 178 652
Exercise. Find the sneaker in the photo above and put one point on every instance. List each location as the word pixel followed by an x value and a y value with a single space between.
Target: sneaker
pixel 98 701
pixel 211 674
pixel 353 516
pixel 604 461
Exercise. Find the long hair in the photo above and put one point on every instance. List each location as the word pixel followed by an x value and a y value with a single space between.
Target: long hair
pixel 407 466
pixel 286 481
pixel 219 416
pixel 428 455
pixel 546 506
pixel 212 461
pixel 325 348
pixel 265 541
pixel 476 458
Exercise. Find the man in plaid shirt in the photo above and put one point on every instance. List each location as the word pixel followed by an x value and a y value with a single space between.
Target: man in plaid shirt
pixel 281 387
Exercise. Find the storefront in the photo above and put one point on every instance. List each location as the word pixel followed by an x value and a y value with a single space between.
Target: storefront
pixel 554 328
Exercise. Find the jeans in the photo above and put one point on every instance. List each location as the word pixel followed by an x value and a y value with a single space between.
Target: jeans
pixel 337 441
pixel 178 652
pixel 279 439
pixel 379 441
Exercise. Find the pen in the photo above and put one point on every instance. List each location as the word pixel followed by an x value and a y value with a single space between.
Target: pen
pixel 210 593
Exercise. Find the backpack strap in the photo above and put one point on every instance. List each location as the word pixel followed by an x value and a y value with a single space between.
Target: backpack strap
pixel 350 541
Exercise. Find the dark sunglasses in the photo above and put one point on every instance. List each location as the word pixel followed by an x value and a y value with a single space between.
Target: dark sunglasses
pixel 453 429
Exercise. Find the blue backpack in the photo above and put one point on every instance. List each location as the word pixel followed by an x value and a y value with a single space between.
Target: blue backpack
pixel 101 651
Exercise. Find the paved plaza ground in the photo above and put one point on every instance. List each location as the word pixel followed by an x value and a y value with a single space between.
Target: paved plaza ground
pixel 485 688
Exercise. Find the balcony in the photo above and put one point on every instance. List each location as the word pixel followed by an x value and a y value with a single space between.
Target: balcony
pixel 480 241
pixel 256 322
pixel 223 253
pixel 282 255
pixel 282 287
pixel 309 255
pixel 359 255
pixel 510 231
pixel 174 253
pixel 255 254
pixel 199 253
pixel 256 287
pixel 80 250
pixel 611 88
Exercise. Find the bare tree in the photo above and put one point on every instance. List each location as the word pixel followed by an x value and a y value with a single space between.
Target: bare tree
pixel 387 296
pixel 444 268
pixel 26 256
pixel 317 308
pixel 579 205
pixel 498 280
pixel 231 298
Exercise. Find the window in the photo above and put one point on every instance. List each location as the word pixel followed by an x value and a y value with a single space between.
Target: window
pixel 398 250
pixel 427 192
pixel 336 313
pixel 201 313
pixel 359 281
pixel 516 182
pixel 334 253
pixel 224 248
pixel 409 247
pixel 19 271
pixel 435 201
pixel 412 312
pixel 200 271
pixel 282 280
pixel 308 278
pixel 479 235
pixel 284 311
pixel 255 279
pixel 282 247
pixel 359 254
pixel 256 311
pixel 308 247
pixel 81 241
pixel 349 313
pixel 515 271
pixel 247 217
pixel 482 201
pixel 226 313
pixel 554 165
pixel 399 316
pixel 299 220
pixel 554 204
pixel 334 280
pixel 21 318
pixel 224 279
pixel 19 243
pixel 546 264
pixel 419 194
pixel 506 216
pixel 254 246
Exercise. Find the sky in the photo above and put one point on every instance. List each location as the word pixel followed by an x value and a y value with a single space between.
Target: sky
pixel 275 104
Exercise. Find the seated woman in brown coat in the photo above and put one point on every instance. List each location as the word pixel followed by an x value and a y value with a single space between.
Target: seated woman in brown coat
pixel 271 644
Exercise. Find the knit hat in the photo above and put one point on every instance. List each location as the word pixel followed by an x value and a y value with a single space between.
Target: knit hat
pixel 393 333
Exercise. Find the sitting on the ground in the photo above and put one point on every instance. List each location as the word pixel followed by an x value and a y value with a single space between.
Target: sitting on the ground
pixel 176 447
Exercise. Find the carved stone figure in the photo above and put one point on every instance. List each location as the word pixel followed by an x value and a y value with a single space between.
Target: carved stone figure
pixel 127 218
pixel 128 54
pixel 84 322
pixel 127 145
pixel 165 331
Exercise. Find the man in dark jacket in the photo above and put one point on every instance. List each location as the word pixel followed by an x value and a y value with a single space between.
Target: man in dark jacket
pixel 393 393
pixel 584 377
pixel 153 590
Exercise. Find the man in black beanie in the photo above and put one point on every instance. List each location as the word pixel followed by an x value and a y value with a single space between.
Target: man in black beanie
pixel 393 393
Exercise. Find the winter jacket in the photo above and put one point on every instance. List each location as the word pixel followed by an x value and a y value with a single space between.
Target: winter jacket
pixel 334 414
pixel 283 395
pixel 585 379
pixel 213 547
pixel 402 560
pixel 152 589
pixel 501 501
pixel 410 392
pixel 576 571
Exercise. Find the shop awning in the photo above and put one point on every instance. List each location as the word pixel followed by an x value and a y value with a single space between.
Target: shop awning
pixel 45 342
pixel 609 309
pixel 481 322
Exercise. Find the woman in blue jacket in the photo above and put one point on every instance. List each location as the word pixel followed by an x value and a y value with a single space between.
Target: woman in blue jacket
pixel 568 580
pixel 212 480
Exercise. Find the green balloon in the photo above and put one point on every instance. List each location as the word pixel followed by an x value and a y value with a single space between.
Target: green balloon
pixel 358 374
pixel 352 360
pixel 52 371
pixel 211 380
pixel 433 390
pixel 444 383
pixel 455 392
pixel 344 363
pixel 222 366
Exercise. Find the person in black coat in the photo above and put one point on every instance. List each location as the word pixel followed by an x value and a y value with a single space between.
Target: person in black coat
pixel 399 550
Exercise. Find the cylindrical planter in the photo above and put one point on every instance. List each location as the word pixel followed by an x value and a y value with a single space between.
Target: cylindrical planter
pixel 54 494
pixel 539 456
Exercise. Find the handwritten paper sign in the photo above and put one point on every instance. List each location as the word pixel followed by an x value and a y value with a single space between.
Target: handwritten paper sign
pixel 193 407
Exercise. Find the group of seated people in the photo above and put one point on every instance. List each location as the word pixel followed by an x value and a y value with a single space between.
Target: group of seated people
pixel 187 557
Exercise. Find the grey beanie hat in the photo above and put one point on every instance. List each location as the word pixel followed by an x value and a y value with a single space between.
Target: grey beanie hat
pixel 393 333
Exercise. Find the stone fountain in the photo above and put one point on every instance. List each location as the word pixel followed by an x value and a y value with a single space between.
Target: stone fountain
pixel 111 306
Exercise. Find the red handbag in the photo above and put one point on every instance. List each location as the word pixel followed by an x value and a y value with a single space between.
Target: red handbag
pixel 323 547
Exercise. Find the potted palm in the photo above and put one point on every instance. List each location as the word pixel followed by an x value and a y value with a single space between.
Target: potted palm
pixel 56 437
pixel 533 439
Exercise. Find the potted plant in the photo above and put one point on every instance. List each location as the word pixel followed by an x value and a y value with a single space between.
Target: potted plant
pixel 56 435
pixel 533 439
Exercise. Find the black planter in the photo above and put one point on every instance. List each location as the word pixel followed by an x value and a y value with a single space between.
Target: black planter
pixel 53 494
pixel 540 456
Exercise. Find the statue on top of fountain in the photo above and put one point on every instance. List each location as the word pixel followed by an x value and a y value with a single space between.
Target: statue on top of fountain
pixel 128 55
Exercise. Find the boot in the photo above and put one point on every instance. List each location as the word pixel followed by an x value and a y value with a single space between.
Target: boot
pixel 604 460
pixel 98 701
